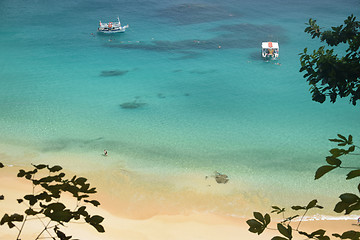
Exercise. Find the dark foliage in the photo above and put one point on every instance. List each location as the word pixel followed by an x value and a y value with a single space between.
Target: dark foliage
pixel 45 202
pixel 328 74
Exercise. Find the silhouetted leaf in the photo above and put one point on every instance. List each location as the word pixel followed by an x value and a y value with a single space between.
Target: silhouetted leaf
pixel 267 219
pixel 10 219
pixel 349 198
pixel 287 232
pixel 337 140
pixel 31 198
pixel 351 149
pixel 99 228
pixel 40 166
pixel 323 170
pixel 55 168
pixel 349 202
pixel 21 173
pixel 93 202
pixel 342 137
pixel 318 234
pixel 259 217
pixel 277 209
pixel 333 161
pixel 81 181
pixel 31 212
pixel 340 206
pixel 95 219
pixel 61 235
pixel 255 226
pixel 57 212
pixel 311 204
pixel 353 174
pixel 279 238
pixel 353 235
pixel 336 152
pixel 298 208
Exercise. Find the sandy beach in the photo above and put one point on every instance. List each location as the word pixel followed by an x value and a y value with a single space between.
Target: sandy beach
pixel 160 227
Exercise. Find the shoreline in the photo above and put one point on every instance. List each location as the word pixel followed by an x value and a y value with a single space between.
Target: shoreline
pixel 142 217
pixel 192 226
pixel 148 193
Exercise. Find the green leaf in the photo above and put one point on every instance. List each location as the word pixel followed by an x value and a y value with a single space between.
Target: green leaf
pixel 287 232
pixel 351 149
pixel 296 208
pixel 336 140
pixel 311 204
pixel 354 235
pixel 340 206
pixel 31 212
pixel 93 202
pixel 323 170
pixel 96 219
pixel 353 174
pixel 5 219
pixel 336 152
pixel 342 137
pixel 81 181
pixel 21 173
pixel 254 226
pixel 57 212
pixel 267 219
pixel 10 219
pixel 99 228
pixel 349 198
pixel 259 217
pixel 40 166
pixel 62 235
pixel 333 161
pixel 55 168
pixel 279 238
pixel 31 198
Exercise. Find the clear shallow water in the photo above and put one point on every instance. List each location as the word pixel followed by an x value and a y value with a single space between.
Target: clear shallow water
pixel 211 103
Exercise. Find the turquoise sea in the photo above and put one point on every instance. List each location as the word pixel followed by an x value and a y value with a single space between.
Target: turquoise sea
pixel 208 102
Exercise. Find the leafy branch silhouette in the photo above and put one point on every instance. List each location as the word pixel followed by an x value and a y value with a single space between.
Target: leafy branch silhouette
pixel 349 202
pixel 44 202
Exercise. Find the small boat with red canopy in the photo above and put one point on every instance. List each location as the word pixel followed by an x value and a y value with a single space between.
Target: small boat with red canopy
pixel 112 27
pixel 270 50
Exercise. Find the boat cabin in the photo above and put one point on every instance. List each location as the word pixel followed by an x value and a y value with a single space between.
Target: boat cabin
pixel 270 50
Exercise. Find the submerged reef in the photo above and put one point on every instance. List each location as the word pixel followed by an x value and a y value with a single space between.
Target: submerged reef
pixel 132 105
pixel 193 13
pixel 232 36
pixel 219 177
pixel 113 73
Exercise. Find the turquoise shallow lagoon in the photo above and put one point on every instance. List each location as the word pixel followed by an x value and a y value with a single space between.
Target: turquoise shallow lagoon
pixel 208 101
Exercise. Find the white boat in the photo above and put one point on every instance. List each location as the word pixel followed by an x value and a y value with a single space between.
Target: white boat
pixel 270 50
pixel 112 27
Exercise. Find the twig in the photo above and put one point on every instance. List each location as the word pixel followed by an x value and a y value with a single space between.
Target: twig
pixel 22 226
pixel 301 220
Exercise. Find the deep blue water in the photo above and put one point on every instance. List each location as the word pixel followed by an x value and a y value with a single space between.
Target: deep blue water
pixel 209 101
